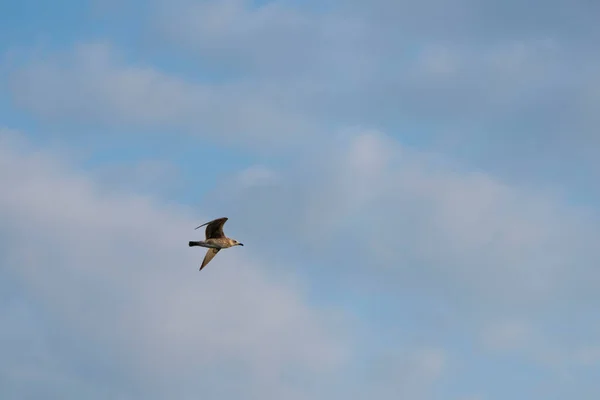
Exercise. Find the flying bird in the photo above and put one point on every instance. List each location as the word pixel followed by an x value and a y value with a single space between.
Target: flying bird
pixel 215 240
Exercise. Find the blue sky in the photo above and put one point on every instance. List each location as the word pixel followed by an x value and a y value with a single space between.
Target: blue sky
pixel 414 184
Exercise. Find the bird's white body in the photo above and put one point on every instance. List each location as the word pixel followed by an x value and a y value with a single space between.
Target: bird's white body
pixel 219 243
pixel 215 240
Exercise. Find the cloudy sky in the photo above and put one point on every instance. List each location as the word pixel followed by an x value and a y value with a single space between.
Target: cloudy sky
pixel 415 186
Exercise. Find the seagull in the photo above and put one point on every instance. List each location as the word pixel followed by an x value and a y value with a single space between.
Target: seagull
pixel 215 240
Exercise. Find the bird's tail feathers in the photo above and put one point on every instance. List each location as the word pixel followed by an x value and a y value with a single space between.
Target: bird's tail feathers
pixel 195 244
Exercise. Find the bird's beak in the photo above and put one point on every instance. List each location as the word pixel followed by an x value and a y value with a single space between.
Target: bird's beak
pixel 240 244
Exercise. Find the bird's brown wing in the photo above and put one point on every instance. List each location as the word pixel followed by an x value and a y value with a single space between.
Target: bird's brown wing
pixel 210 254
pixel 214 228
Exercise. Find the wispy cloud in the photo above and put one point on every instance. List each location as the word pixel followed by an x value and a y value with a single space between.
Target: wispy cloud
pixel 92 86
pixel 443 73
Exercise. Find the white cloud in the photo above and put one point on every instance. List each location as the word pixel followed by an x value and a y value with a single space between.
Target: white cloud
pixel 588 355
pixel 114 271
pixel 472 397
pixel 539 343
pixel 145 176
pixel 507 244
pixel 111 268
pixel 515 99
pixel 273 40
pixel 257 175
pixel 507 335
pixel 474 257
pixel 407 375
pixel 278 74
pixel 91 85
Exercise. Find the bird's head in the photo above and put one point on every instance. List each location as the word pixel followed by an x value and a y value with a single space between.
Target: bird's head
pixel 236 243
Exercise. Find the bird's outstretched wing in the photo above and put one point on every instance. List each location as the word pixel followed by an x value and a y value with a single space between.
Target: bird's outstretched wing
pixel 209 256
pixel 214 228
